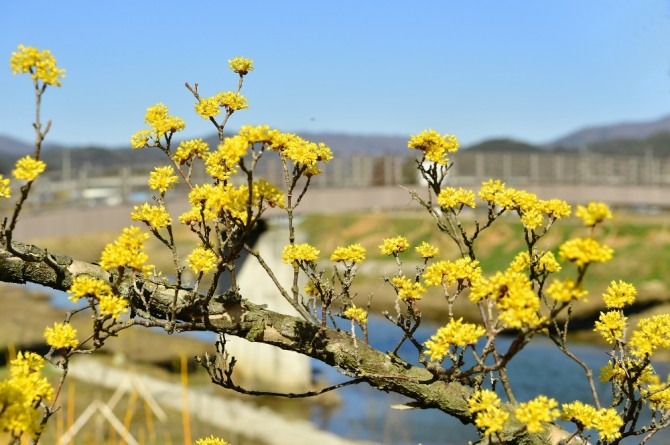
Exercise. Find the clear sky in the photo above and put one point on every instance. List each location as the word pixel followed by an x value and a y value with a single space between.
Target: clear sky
pixel 533 70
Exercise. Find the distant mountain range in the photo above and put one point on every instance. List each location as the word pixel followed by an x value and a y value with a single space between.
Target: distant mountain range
pixel 604 133
pixel 617 138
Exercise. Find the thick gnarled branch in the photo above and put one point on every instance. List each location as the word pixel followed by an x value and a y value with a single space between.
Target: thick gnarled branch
pixel 241 318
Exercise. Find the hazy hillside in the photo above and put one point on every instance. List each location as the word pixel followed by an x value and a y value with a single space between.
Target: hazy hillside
pixel 603 133
pixel 626 138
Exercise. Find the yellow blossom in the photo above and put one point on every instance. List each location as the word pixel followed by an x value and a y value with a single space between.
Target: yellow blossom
pixel 202 260
pixel 193 148
pixel 354 253
pixel 606 420
pixel 583 251
pixel 427 250
pixel 491 190
pixel 619 294
pixel 611 325
pixel 485 405
pixel 452 272
pixel 61 336
pixel 40 64
pixel 113 306
pixel 28 168
pixel 21 394
pixel 207 107
pixel 556 208
pixel 161 122
pixel 83 286
pixel 241 65
pixel 514 295
pixel 5 190
pixel 126 251
pixel 615 372
pixel 221 164
pixel 140 139
pixel 211 440
pixel 264 193
pixel 293 253
pixel 407 289
pixel 261 134
pixel 455 333
pixel 565 290
pixel 651 333
pixel 359 315
pixel 534 412
pixel 231 101
pixel 162 178
pixel 395 245
pixel 434 145
pixel 156 216
pixel 658 395
pixel 451 198
pixel 593 213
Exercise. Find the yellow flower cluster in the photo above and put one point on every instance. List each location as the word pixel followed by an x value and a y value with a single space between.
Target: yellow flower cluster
pixel 221 164
pixel 354 253
pixel 359 315
pixel 113 306
pixel 61 336
pixel 408 289
pixel 426 250
pixel 455 333
pixel 611 326
pixel 21 394
pixel 514 296
pixel 126 251
pixel 615 372
pixel 231 101
pixel 658 394
pixel 202 260
pixel 5 190
pixel 156 216
pixel 531 209
pixel 110 305
pixel 452 272
pixel 619 294
pixel 534 412
pixel 28 168
pixel 651 333
pixel 211 440
pixel 40 64
pixel 451 198
pixel 211 106
pixel 583 251
pixel 566 290
pixel 162 178
pixel 489 417
pixel 161 123
pixel 193 148
pixel 83 286
pixel 294 253
pixel 593 213
pixel 241 65
pixel 434 145
pixel 606 420
pixel 545 262
pixel 395 245
pixel 264 192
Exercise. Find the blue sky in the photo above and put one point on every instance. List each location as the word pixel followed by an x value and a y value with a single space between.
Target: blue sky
pixel 532 70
